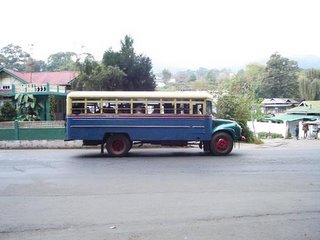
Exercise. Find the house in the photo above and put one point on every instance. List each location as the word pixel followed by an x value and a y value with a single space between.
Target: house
pixel 42 85
pixel 306 108
pixel 306 111
pixel 276 106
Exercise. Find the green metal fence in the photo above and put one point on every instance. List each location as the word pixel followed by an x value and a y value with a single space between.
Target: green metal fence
pixel 39 130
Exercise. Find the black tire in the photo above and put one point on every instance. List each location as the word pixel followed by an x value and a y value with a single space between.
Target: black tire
pixel 118 145
pixel 206 147
pixel 221 144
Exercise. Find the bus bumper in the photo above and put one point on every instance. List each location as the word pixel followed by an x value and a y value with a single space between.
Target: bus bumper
pixel 243 139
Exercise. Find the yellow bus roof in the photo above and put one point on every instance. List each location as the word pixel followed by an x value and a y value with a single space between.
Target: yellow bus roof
pixel 141 94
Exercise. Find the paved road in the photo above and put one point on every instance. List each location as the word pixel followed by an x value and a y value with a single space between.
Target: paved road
pixel 262 192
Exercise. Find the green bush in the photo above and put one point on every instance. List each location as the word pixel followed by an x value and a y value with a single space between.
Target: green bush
pixel 8 112
pixel 264 135
pixel 276 135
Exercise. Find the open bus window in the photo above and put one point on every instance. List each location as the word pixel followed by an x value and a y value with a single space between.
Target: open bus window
pixel 124 108
pixel 209 108
pixel 139 108
pixel 77 108
pixel 197 108
pixel 183 108
pixel 93 108
pixel 153 108
pixel 168 108
pixel 108 108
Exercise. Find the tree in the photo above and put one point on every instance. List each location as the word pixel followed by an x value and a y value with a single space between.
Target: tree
pixel 94 76
pixel 309 84
pixel 200 84
pixel 62 61
pixel 166 75
pixel 28 107
pixel 192 77
pixel 280 78
pixel 107 79
pixel 8 112
pixel 33 65
pixel 237 108
pixel 88 68
pixel 212 78
pixel 253 76
pixel 14 58
pixel 137 68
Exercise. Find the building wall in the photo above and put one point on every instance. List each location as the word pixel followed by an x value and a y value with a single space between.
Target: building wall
pixel 280 128
pixel 6 79
pixel 268 127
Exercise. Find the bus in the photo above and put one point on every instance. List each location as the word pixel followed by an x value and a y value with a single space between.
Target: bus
pixel 116 120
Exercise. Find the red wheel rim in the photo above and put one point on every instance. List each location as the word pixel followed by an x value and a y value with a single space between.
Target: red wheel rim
pixel 118 146
pixel 222 144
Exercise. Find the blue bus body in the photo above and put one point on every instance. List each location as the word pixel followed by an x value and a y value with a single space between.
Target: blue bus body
pixel 140 128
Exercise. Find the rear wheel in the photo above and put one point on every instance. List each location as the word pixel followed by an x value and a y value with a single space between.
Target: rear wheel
pixel 118 145
pixel 221 144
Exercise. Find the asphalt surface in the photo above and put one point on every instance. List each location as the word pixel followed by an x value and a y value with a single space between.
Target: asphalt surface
pixel 269 191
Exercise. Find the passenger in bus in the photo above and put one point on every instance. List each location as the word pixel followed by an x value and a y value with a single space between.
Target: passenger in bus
pixel 180 109
pixel 88 110
pixel 197 109
pixel 108 109
pixel 186 109
pixel 124 108
pixel 139 109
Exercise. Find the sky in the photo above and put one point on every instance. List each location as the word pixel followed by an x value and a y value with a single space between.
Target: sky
pixel 185 34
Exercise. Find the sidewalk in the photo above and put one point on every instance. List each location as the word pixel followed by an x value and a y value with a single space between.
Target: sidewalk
pixel 284 143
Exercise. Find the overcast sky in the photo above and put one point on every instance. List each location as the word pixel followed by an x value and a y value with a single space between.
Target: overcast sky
pixel 173 33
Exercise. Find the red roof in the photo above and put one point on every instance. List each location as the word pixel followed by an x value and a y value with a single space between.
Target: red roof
pixel 60 78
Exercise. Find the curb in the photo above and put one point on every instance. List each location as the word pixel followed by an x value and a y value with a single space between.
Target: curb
pixel 39 144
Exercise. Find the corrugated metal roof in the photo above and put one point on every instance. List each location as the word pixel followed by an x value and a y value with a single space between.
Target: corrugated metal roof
pixel 272 101
pixel 307 107
pixel 293 117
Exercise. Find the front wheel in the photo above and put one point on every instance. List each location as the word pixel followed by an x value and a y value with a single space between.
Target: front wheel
pixel 118 145
pixel 221 144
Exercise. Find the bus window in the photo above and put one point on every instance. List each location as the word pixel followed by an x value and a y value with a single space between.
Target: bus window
pixel 77 108
pixel 153 108
pixel 208 107
pixel 156 108
pixel 197 108
pixel 179 108
pixel 124 108
pixel 168 108
pixel 107 108
pixel 186 108
pixel 139 108
pixel 93 108
pixel 183 108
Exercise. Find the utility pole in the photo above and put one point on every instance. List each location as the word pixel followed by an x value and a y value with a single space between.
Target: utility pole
pixel 30 60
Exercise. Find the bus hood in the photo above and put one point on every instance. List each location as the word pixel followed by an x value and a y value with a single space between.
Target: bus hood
pixel 228 125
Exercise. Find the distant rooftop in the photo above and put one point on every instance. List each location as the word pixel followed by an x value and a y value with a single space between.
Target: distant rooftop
pixel 306 107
